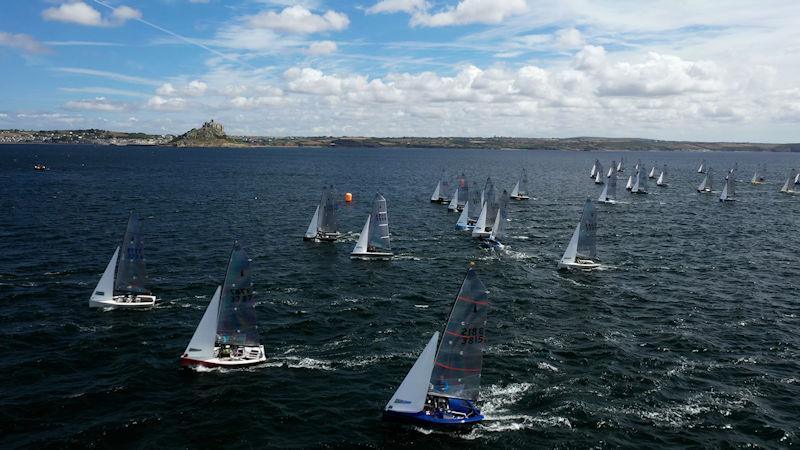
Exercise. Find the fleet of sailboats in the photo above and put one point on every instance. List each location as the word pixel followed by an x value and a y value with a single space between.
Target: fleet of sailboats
pixel 442 387
pixel 124 282
pixel 227 335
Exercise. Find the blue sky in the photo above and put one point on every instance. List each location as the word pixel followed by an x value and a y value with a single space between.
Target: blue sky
pixel 660 69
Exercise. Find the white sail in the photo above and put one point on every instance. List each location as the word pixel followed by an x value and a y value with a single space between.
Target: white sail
pixel 410 396
pixel 496 227
pixel 435 196
pixel 652 172
pixel 755 177
pixel 105 287
pixel 636 182
pixel 594 169
pixel 202 344
pixel 598 177
pixel 702 167
pixel 610 170
pixel 620 167
pixel 453 206
pixel 660 181
pixel 572 248
pixel 789 185
pixel 797 179
pixel 480 225
pixel 515 191
pixel 724 195
pixel 363 239
pixel 604 195
pixel 629 185
pixel 311 232
pixel 463 219
pixel 702 186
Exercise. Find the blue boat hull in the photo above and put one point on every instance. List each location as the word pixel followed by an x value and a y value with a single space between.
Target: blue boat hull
pixel 421 418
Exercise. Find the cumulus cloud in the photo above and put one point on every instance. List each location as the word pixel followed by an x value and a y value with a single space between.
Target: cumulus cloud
pixel 97 104
pixel 471 11
pixel 83 14
pixel 159 103
pixel 321 48
pixel 298 19
pixel 22 42
pixel 569 38
pixel 395 6
pixel 194 88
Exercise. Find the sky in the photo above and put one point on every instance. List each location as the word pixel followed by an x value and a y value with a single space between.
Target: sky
pixel 677 70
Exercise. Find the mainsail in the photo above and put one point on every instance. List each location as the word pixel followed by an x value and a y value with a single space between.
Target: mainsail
pixel 598 176
pixel 131 275
pixel 379 226
pixel 789 185
pixel 236 322
pixel 661 178
pixel 475 202
pixel 327 221
pixel 702 169
pixel 501 219
pixel 453 206
pixel 587 237
pixel 457 368
pixel 463 191
pixel 620 166
pixel 610 190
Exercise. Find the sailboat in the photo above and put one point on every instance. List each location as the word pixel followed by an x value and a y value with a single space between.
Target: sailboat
pixel 598 177
pixel 462 193
pixel 609 194
pixel 652 174
pixel 453 206
pixel 758 176
pixel 727 194
pixel 639 184
pixel 662 182
pixel 480 231
pixel 463 220
pixel 629 184
pixel 324 226
pixel 520 191
pixel 620 166
pixel 797 179
pixel 440 194
pixel 475 203
pixel 500 221
pixel 788 187
pixel 581 252
pixel 374 241
pixel 611 169
pixel 595 168
pixel 442 386
pixel 705 186
pixel 124 282
pixel 702 168
pixel 227 335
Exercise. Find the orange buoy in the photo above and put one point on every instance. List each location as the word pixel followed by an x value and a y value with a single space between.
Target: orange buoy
pixel 348 197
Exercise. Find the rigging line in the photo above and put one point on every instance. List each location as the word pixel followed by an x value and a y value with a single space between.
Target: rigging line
pixel 178 36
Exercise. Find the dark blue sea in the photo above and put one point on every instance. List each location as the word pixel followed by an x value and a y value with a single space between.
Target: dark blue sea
pixel 690 336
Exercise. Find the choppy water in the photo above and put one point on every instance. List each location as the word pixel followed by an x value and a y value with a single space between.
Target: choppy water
pixel 690 337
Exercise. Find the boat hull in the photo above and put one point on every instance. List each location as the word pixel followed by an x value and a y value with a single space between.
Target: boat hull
pixel 126 302
pixel 327 237
pixel 421 418
pixel 371 255
pixel 225 362
pixel 584 265
pixel 520 197
pixel 608 202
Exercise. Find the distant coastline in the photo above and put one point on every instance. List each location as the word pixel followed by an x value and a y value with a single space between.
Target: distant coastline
pixel 211 134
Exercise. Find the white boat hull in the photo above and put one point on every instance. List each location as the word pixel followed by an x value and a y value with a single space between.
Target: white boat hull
pixel 520 197
pixel 250 356
pixel 125 301
pixel 327 237
pixel 371 255
pixel 580 265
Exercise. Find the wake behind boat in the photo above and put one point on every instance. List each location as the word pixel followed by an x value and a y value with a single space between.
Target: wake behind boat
pixel 581 252
pixel 374 241
pixel 442 386
pixel 227 335
pixel 124 282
